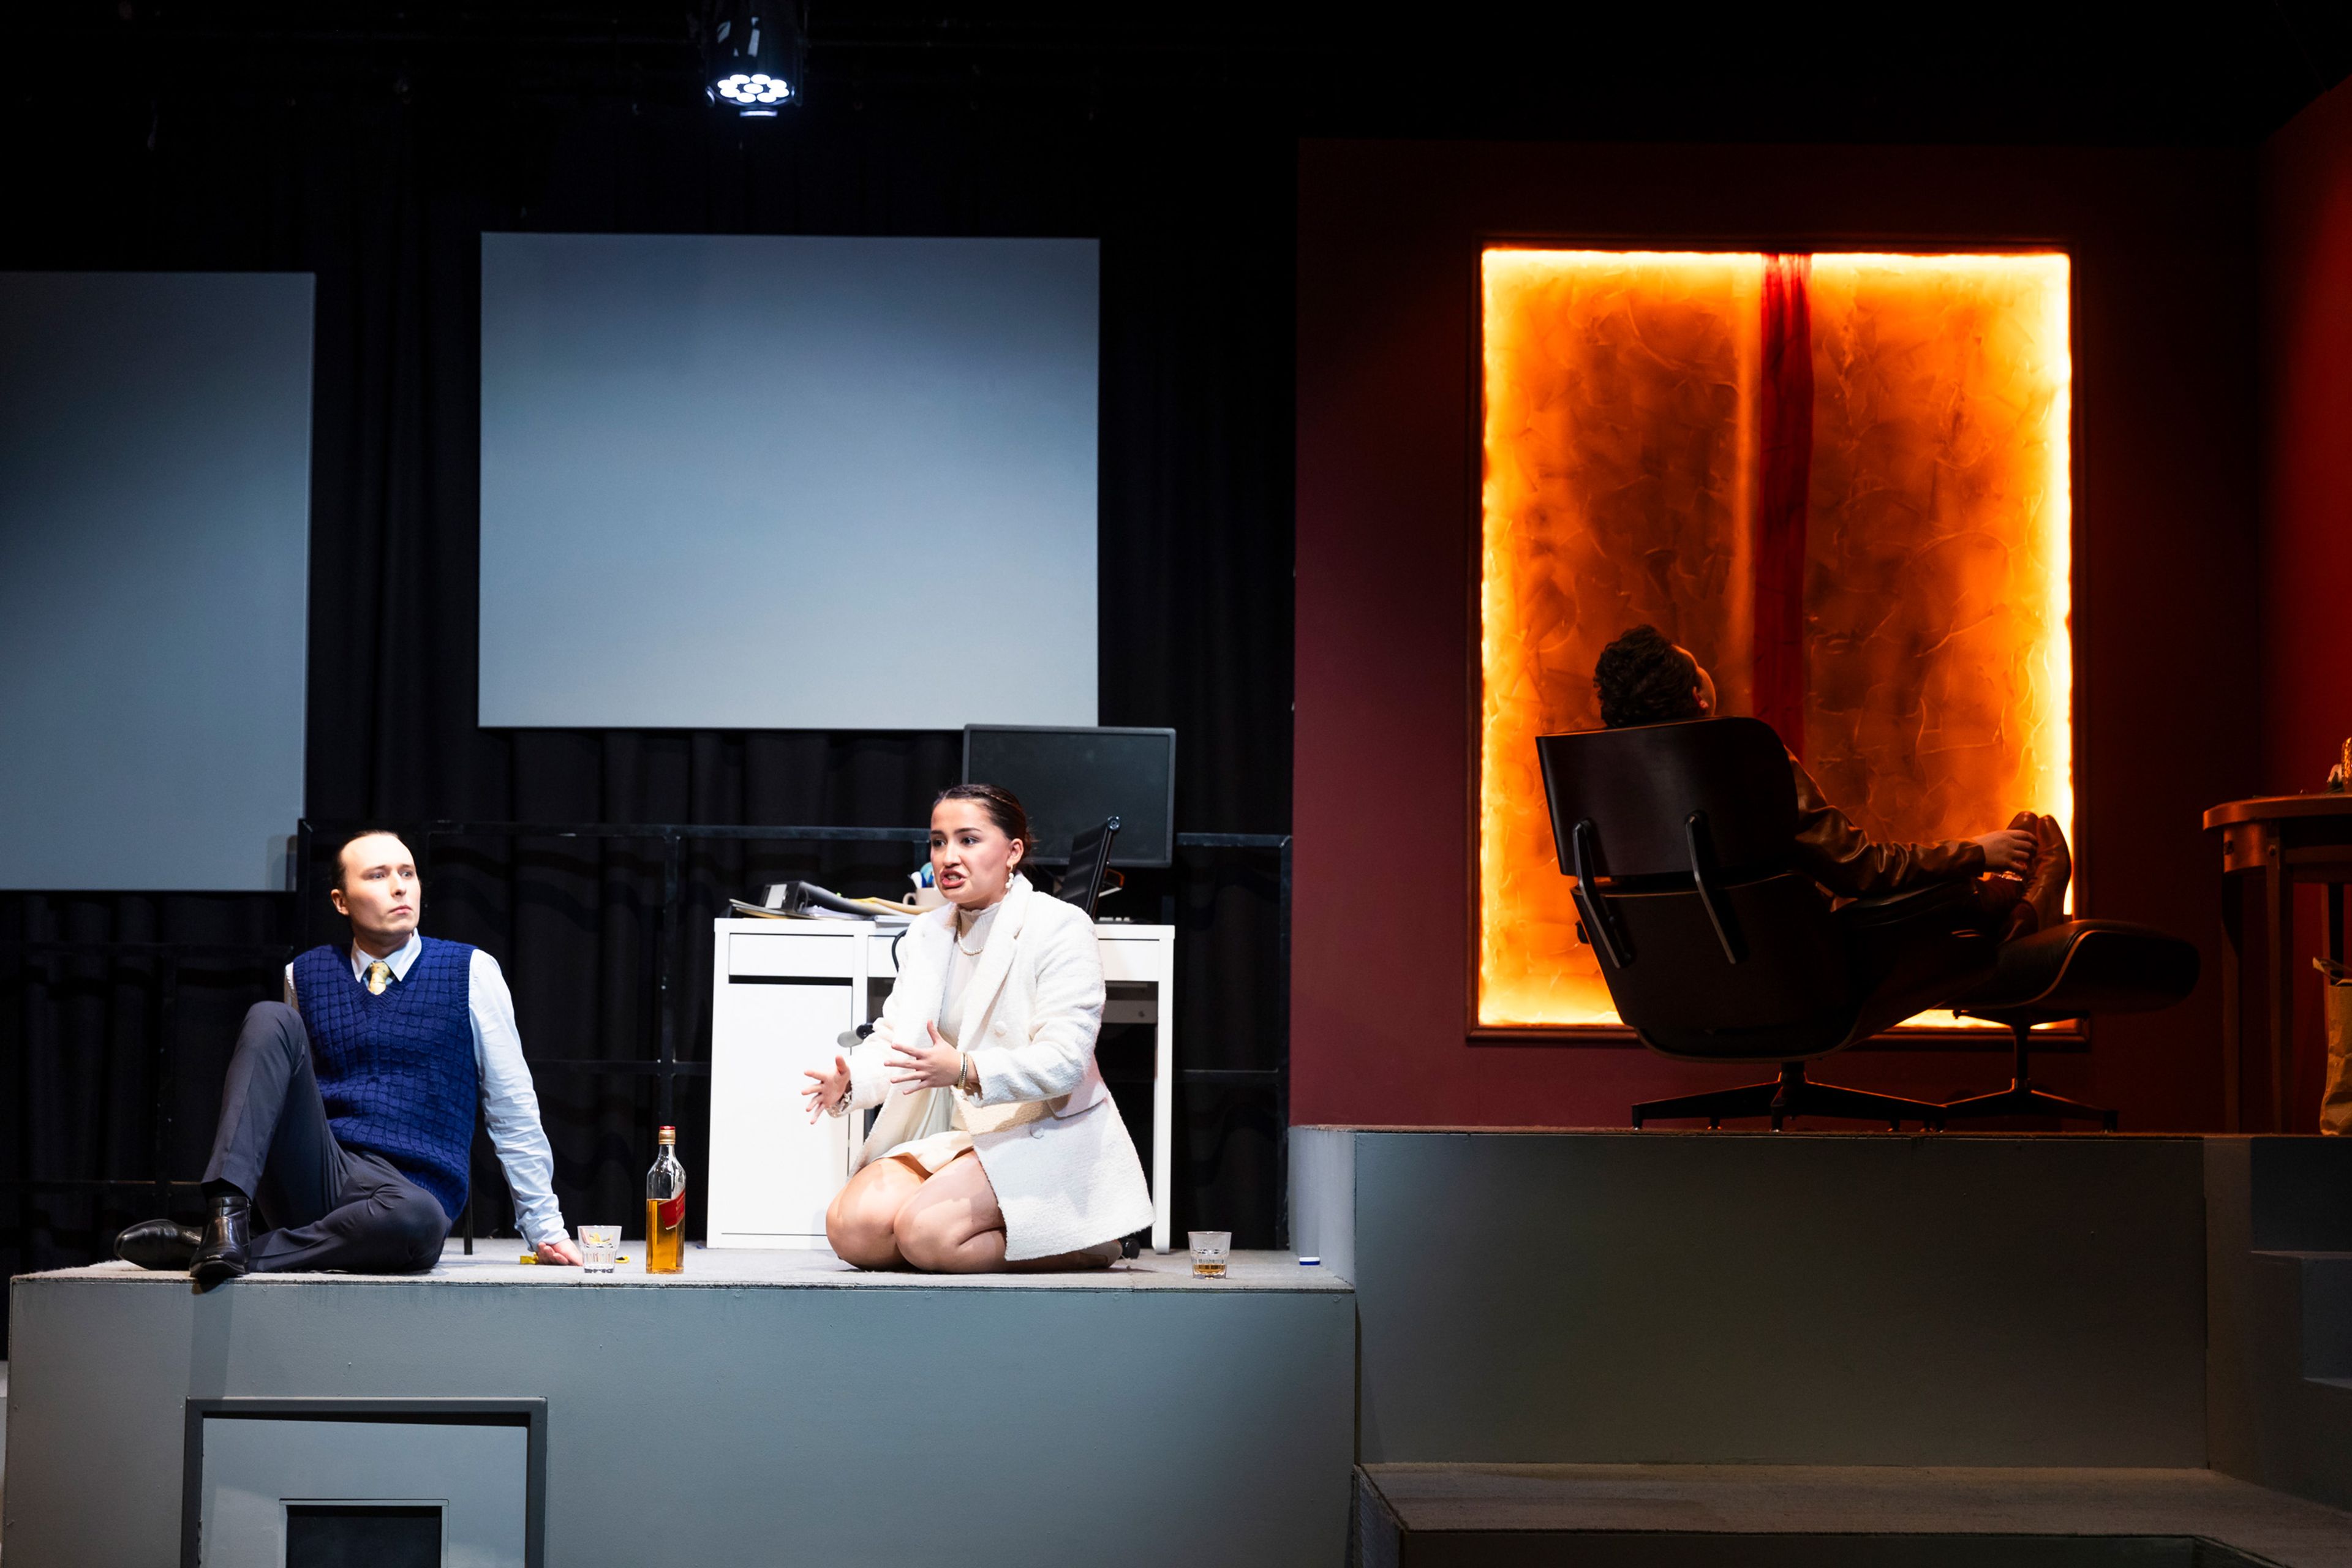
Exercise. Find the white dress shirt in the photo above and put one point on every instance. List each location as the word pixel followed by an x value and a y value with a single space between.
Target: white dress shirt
pixel 508 1102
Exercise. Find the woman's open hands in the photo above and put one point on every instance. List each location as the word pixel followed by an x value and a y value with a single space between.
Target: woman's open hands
pixel 827 1091
pixel 2010 849
pixel 935 1066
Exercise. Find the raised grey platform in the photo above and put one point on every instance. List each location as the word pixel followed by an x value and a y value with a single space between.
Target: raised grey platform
pixel 1432 1516
pixel 1755 1298
pixel 760 1408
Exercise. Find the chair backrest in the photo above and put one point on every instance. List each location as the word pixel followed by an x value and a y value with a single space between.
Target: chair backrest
pixel 1638 787
pixel 1681 838
pixel 1089 859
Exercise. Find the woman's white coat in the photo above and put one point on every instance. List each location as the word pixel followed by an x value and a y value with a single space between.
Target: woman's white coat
pixel 1064 1169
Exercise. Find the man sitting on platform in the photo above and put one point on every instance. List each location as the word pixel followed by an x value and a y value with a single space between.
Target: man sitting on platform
pixel 349 1110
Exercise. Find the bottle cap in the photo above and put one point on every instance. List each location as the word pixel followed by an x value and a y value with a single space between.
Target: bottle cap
pixel 665 1135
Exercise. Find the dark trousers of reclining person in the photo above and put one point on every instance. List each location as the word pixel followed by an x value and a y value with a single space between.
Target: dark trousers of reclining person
pixel 2016 876
pixel 347 1119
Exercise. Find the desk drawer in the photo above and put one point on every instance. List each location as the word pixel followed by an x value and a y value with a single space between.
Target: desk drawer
pixel 816 956
pixel 1132 959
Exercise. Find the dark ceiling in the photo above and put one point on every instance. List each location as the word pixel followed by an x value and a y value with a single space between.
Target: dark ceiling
pixel 1991 73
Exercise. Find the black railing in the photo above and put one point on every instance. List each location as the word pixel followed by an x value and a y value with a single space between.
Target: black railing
pixel 666 1066
pixel 163 1039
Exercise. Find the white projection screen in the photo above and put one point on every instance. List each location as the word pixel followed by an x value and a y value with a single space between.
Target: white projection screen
pixel 154 568
pixel 787 481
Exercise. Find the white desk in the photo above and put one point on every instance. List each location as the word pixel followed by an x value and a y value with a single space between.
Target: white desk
pixel 782 993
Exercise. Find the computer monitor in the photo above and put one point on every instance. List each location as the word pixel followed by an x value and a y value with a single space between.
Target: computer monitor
pixel 1070 779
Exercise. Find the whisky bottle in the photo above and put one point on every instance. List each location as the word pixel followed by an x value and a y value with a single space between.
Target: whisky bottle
pixel 665 1208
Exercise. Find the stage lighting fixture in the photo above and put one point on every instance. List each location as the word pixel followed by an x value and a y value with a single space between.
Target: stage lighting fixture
pixel 753 52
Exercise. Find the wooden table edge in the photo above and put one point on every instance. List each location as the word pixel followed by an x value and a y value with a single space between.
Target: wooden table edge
pixel 2277 807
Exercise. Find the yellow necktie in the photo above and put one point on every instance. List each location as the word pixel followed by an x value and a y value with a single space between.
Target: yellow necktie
pixel 379 977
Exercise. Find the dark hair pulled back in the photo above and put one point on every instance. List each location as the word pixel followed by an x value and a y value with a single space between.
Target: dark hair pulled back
pixel 1642 678
pixel 1004 808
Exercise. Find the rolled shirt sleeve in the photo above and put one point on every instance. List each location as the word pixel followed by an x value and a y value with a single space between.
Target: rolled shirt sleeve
pixel 511 1105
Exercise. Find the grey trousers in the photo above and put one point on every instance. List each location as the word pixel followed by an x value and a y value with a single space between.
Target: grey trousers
pixel 330 1207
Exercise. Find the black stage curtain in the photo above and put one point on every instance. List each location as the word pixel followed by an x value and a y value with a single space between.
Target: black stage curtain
pixel 383 194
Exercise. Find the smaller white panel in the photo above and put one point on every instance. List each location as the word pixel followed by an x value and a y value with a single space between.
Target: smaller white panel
pixel 254 1466
pixel 154 570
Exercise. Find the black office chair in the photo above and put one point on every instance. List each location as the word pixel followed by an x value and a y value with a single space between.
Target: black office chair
pixel 1082 881
pixel 1715 946
pixel 2080 969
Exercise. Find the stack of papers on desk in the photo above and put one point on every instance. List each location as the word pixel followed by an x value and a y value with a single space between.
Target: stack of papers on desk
pixel 885 912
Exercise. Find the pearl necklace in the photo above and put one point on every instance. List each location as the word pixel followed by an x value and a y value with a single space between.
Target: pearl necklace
pixel 970 952
pixel 961 933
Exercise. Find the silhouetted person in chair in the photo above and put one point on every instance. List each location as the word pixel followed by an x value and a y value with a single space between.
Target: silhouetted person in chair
pixel 1642 678
pixel 349 1110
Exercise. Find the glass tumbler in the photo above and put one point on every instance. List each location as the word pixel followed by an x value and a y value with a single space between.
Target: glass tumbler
pixel 599 1245
pixel 1210 1248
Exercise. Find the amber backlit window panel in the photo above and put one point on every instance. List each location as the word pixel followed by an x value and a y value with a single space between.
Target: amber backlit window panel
pixel 1863 457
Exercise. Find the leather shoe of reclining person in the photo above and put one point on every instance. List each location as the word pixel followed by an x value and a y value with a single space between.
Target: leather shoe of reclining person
pixel 223 1253
pixel 2046 874
pixel 159 1243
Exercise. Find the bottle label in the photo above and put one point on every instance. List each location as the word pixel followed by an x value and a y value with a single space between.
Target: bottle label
pixel 672 1212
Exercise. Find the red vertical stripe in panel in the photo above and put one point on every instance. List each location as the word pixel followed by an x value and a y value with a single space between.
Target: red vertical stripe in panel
pixel 1786 423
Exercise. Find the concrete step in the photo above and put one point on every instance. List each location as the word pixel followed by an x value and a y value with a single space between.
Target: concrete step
pixel 1876 1516
pixel 1189 1420
pixel 2280 1388
pixel 1767 1298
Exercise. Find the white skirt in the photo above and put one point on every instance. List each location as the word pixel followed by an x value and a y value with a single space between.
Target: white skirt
pixel 933 1153
pixel 939 1138
pixel 945 1128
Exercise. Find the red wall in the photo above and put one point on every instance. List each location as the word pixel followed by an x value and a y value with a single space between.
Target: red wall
pixel 2165 588
pixel 2306 584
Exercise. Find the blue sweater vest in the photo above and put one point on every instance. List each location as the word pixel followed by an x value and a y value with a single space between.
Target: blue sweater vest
pixel 397 1071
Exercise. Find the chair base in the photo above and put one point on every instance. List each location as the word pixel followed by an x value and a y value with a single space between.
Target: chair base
pixel 1791 1094
pixel 2022 1099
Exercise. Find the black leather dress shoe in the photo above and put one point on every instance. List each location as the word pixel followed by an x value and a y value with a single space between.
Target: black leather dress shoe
pixel 158 1243
pixel 222 1254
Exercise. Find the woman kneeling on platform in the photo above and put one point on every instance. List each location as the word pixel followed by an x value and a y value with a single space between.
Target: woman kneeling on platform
pixel 997 1146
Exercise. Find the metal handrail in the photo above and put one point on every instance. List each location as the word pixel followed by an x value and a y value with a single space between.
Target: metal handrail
pixel 666 1066
pixel 168 957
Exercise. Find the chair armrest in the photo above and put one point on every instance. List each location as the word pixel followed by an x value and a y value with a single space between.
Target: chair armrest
pixel 1912 903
